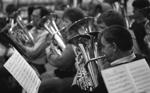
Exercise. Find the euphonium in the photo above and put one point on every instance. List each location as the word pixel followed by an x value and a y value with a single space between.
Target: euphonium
pixel 52 28
pixel 86 62
pixel 18 28
pixel 24 29
pixel 85 48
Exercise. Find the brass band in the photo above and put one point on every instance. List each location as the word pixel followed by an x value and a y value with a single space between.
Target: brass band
pixel 78 44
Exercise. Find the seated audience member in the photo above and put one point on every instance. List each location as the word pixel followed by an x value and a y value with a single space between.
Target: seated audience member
pixel 61 79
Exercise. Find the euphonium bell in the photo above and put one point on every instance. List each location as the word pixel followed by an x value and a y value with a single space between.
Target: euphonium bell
pixel 84 25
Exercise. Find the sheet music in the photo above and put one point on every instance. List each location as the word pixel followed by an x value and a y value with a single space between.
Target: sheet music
pixel 23 73
pixel 132 77
pixel 117 80
pixel 140 73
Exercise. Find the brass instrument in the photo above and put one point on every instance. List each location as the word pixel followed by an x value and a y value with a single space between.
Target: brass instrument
pixel 18 34
pixel 19 28
pixel 24 29
pixel 86 62
pixel 85 25
pixel 52 28
pixel 85 48
pixel 120 7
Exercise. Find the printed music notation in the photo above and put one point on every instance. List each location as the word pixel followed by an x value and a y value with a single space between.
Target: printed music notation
pixel 132 77
pixel 23 73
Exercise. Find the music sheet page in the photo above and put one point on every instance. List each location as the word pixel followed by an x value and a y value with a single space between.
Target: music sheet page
pixel 132 77
pixel 117 80
pixel 140 73
pixel 23 72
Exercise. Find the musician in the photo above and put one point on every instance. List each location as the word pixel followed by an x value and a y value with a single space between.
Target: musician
pixel 108 18
pixel 40 37
pixel 10 9
pixel 116 44
pixel 99 8
pixel 138 26
pixel 8 84
pixel 63 75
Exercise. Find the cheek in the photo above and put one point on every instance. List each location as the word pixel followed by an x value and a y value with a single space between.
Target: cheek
pixel 107 51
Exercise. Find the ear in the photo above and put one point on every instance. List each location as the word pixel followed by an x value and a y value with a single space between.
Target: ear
pixel 114 46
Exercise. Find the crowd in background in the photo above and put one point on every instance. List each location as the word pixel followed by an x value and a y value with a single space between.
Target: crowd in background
pixel 119 35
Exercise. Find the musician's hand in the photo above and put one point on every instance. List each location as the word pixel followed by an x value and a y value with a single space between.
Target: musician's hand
pixel 10 52
pixel 48 50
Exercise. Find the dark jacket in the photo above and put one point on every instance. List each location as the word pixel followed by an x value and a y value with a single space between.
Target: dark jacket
pixel 7 83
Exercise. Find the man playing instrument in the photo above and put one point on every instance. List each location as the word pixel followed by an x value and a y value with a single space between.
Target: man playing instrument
pixel 115 42
pixel 117 45
pixel 39 36
pixel 61 79
pixel 108 18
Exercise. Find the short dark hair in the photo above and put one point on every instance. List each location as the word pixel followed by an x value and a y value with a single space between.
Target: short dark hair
pixel 30 11
pixel 10 9
pixel 140 4
pixel 118 35
pixel 112 17
pixel 43 11
pixel 73 14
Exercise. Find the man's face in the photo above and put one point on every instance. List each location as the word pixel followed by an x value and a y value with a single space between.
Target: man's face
pixel 137 13
pixel 66 23
pixel 107 49
pixel 100 26
pixel 35 17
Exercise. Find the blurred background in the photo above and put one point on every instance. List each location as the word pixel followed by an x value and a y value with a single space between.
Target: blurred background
pixel 50 4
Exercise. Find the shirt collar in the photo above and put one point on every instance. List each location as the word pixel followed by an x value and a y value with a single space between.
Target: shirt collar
pixel 124 59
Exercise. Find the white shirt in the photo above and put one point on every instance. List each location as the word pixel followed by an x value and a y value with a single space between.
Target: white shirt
pixel 123 59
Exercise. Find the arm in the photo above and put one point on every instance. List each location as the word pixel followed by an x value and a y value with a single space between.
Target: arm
pixel 37 48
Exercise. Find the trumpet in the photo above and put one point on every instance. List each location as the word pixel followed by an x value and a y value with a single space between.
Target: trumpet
pixel 51 27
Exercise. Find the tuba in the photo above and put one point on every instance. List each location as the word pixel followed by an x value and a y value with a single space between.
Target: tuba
pixel 51 27
pixel 86 51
